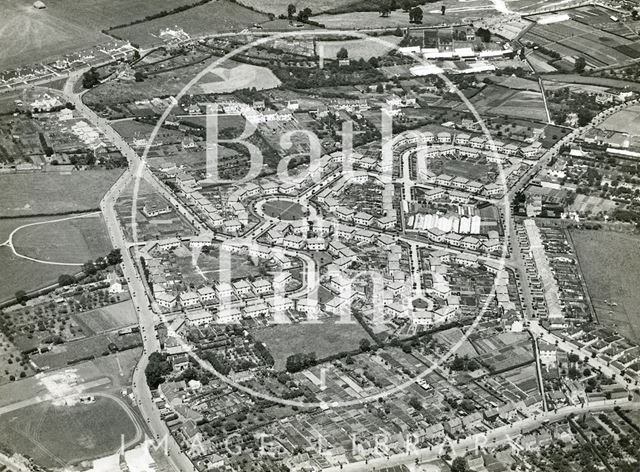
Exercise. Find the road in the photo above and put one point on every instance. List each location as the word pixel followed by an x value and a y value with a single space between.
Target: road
pixel 495 437
pixel 146 317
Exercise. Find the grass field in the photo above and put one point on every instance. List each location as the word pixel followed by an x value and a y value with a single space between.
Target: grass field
pixel 55 436
pixel 625 121
pixel 278 7
pixel 29 35
pixel 284 209
pixel 71 241
pixel 33 194
pixel 359 48
pixel 215 17
pixel 610 263
pixel 323 338
pixel 107 318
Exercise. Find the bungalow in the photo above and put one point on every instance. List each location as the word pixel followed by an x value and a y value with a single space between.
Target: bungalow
pixel 363 219
pixel 232 226
pixel 293 242
pixel 462 139
pixel 280 281
pixel 261 286
pixel 307 305
pixel 155 208
pixel 363 235
pixel 258 308
pixel 242 287
pixel 316 244
pixel 280 305
pixel 201 240
pixel 344 213
pixel 189 299
pixel 470 242
pixel 224 290
pixel 444 137
pixel 206 294
pixel 396 310
pixel 477 142
pixel 386 222
pixel 166 300
pixel 321 228
pixel 344 231
pixel 228 315
pixel 199 318
pixel 444 179
pixel 167 244
pixel 270 188
pixel 335 247
pixel 433 194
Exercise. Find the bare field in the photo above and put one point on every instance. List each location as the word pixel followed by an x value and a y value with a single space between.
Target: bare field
pixel 29 35
pixel 610 263
pixel 41 193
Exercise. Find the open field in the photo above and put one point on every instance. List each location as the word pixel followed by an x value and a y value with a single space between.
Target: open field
pixel 610 263
pixel 107 318
pixel 284 209
pixel 29 35
pixel 322 338
pixel 624 121
pixel 71 241
pixel 58 435
pixel 219 16
pixel 504 101
pixel 48 193
pixel 278 7
pixel 359 48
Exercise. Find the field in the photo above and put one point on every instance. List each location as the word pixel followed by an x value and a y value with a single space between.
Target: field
pixel 55 436
pixel 278 7
pixel 589 33
pixel 107 318
pixel 21 274
pixel 50 193
pixel 71 241
pixel 359 48
pixel 215 17
pixel 323 338
pixel 29 35
pixel 625 121
pixel 496 100
pixel 610 263
pixel 592 205
pixel 284 210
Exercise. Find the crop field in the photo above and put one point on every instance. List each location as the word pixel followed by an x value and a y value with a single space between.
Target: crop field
pixel 50 193
pixel 608 259
pixel 55 436
pixel 29 35
pixel 589 33
pixel 322 338
pixel 220 16
pixel 71 241
pixel 504 101
pixel 107 318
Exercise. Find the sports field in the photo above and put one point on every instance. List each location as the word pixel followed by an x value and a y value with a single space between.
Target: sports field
pixel 29 35
pixel 48 193
pixel 55 436
pixel 497 100
pixel 610 263
pixel 107 318
pixel 323 338
pixel 625 121
pixel 71 241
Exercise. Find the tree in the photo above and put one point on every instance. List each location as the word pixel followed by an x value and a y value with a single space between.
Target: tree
pixel 484 34
pixel 415 15
pixel 90 79
pixel 374 62
pixel 365 345
pixel 291 10
pixel 459 464
pixel 443 9
pixel 415 403
pixel 385 8
pixel 380 88
pixel 580 64
pixel 66 279
pixel 406 5
pixel 157 369
pixel 89 268
pixel 304 14
pixel 21 297
pixel 139 76
pixel 114 257
pixel 342 53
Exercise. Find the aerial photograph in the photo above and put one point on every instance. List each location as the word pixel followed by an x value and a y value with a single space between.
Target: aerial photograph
pixel 330 235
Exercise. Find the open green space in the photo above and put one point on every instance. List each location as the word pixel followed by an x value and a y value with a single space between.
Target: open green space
pixel 55 436
pixel 49 192
pixel 323 338
pixel 610 263
pixel 107 318
pixel 284 209
pixel 71 241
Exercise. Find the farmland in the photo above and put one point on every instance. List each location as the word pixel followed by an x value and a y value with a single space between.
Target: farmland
pixel 278 7
pixel 608 261
pixel 323 338
pixel 50 193
pixel 29 35
pixel 589 33
pixel 196 21
pixel 59 435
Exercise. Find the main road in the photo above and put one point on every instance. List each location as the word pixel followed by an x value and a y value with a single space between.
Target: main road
pixel 141 301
